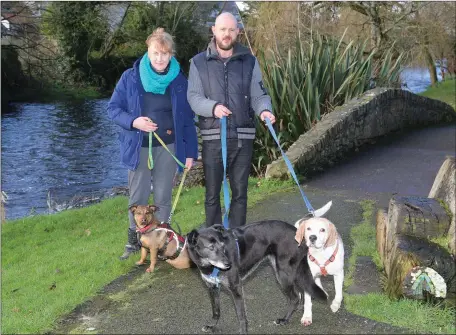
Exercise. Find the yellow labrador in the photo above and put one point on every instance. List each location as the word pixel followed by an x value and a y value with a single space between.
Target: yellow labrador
pixel 325 257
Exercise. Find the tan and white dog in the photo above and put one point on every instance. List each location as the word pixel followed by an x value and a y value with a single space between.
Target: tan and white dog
pixel 325 257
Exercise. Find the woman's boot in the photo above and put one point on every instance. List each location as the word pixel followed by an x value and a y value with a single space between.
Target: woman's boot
pixel 132 246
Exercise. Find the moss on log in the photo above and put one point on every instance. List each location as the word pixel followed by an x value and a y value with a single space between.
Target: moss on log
pixel 411 251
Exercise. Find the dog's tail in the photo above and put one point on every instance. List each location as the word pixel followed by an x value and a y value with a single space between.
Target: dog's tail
pixel 305 282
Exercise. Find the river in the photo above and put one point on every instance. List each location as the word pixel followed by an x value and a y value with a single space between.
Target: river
pixel 67 149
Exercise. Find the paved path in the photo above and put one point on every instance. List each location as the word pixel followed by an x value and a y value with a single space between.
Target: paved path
pixel 176 302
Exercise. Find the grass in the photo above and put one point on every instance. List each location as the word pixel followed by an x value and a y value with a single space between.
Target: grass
pixel 414 315
pixel 52 263
pixel 363 235
pixel 444 91
pixel 410 314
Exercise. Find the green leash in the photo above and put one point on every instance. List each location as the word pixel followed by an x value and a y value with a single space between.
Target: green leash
pixel 150 164
pixel 150 160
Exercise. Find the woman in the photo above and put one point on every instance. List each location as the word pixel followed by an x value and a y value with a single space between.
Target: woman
pixel 152 97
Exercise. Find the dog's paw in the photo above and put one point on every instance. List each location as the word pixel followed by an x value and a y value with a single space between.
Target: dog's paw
pixel 208 328
pixel 335 306
pixel 306 321
pixel 281 322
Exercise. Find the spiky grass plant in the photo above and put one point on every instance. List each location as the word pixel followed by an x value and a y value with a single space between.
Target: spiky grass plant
pixel 309 80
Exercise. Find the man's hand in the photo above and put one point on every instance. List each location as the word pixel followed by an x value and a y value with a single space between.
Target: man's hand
pixel 221 111
pixel 267 114
pixel 145 124
pixel 188 163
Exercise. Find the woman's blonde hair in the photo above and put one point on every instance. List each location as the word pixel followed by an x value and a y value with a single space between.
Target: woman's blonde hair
pixel 163 40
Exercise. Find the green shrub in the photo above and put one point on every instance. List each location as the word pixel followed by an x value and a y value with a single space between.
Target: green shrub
pixel 310 80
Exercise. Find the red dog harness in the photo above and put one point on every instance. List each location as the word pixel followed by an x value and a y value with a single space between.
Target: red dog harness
pixel 331 259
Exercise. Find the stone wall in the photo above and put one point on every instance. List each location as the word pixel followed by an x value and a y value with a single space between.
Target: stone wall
pixel 376 113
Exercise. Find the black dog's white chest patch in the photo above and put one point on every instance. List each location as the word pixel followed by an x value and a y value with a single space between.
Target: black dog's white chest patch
pixel 210 279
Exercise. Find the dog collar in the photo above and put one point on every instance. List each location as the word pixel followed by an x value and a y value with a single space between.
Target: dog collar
pixel 145 229
pixel 331 259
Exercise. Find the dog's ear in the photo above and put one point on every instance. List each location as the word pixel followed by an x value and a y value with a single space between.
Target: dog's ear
pixel 153 208
pixel 192 237
pixel 332 235
pixel 132 208
pixel 301 231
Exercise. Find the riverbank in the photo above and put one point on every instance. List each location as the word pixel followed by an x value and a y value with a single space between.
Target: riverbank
pixel 444 91
pixel 52 93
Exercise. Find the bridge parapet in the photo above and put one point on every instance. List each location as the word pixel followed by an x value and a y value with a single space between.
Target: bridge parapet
pixel 376 113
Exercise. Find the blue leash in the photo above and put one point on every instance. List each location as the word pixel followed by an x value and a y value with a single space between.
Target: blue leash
pixel 226 193
pixel 290 167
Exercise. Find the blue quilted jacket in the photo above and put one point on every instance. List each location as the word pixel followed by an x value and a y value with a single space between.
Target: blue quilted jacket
pixel 126 105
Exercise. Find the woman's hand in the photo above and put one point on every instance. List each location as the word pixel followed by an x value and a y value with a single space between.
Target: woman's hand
pixel 145 124
pixel 188 163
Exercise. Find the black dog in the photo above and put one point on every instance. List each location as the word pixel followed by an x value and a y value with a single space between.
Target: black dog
pixel 239 251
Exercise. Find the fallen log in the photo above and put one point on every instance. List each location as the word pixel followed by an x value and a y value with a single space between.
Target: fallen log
pixel 414 216
pixel 410 252
pixel 419 216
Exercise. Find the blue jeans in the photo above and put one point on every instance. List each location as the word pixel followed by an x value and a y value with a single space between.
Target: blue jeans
pixel 239 159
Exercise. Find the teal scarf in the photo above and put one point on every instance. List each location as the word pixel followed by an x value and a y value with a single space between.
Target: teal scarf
pixel 154 82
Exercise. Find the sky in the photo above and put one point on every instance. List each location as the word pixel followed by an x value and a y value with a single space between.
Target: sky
pixel 240 5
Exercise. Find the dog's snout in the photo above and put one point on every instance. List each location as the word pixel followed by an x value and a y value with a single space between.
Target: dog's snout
pixel 312 238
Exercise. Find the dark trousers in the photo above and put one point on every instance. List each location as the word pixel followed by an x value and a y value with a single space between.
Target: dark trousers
pixel 239 159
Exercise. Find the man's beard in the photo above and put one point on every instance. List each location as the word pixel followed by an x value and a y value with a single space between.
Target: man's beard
pixel 222 46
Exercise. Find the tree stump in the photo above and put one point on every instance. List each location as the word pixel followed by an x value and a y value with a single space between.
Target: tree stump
pixel 382 221
pixel 415 216
pixel 444 188
pixel 418 216
pixel 410 252
pixel 416 267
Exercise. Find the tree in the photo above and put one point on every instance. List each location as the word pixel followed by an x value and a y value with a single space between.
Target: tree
pixel 183 20
pixel 79 28
pixel 424 30
pixel 21 33
pixel 384 17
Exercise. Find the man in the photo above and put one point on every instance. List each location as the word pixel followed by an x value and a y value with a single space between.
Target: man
pixel 225 80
